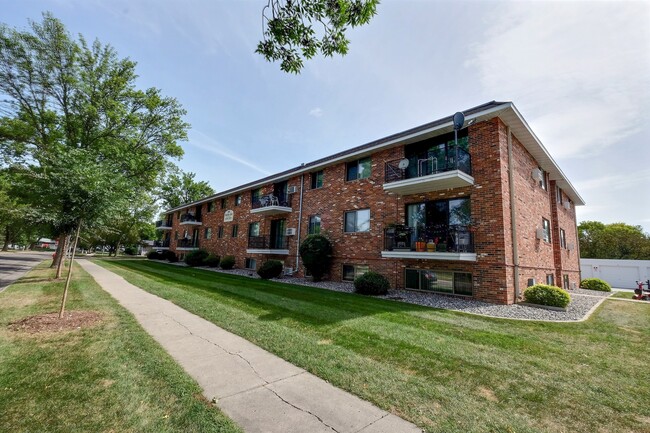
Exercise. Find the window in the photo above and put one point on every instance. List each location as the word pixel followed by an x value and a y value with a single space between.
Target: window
pixel 459 283
pixel 317 179
pixel 235 230
pixel 350 272
pixel 566 282
pixel 314 224
pixel 357 221
pixel 359 169
pixel 443 222
pixel 562 239
pixel 255 195
pixel 237 199
pixel 550 280
pixel 558 194
pixel 220 232
pixel 253 229
pixel 223 203
pixel 250 263
pixel 208 233
pixel 546 225
pixel 542 182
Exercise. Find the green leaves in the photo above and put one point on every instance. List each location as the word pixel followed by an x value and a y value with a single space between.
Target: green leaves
pixel 290 33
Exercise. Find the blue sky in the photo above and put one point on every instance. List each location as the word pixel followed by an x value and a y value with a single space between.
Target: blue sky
pixel 578 71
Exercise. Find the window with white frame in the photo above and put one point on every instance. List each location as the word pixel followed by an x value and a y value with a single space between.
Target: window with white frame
pixel 314 224
pixel 359 169
pixel 562 239
pixel 550 279
pixel 546 225
pixel 350 272
pixel 357 221
pixel 250 263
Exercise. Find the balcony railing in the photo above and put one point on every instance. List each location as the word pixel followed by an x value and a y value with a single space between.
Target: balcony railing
pixel 190 218
pixel 161 244
pixel 282 200
pixel 443 240
pixel 455 159
pixel 164 223
pixel 187 243
pixel 267 243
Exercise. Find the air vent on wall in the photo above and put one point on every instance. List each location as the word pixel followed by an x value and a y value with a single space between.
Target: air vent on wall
pixel 537 174
pixel 539 233
pixel 290 231
pixel 291 190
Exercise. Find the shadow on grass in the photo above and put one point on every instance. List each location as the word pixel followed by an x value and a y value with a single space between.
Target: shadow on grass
pixel 279 300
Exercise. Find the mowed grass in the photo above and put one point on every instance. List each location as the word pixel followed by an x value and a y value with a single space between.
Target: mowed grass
pixel 444 371
pixel 111 377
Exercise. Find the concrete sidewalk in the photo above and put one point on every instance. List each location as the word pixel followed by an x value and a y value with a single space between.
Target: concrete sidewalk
pixel 258 390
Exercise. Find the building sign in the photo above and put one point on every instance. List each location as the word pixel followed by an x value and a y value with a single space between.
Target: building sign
pixel 228 216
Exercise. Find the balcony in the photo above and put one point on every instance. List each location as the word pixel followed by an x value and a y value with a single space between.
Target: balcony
pixel 272 205
pixel 449 243
pixel 452 169
pixel 161 245
pixel 187 244
pixel 189 219
pixel 268 245
pixel 164 224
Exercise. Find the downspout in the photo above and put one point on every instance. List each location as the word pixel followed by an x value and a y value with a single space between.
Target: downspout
pixel 302 184
pixel 513 215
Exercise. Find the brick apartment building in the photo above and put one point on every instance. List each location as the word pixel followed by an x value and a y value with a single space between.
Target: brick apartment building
pixel 483 214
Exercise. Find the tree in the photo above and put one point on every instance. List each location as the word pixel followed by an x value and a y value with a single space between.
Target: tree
pixel 85 138
pixel 180 187
pixel 613 241
pixel 289 28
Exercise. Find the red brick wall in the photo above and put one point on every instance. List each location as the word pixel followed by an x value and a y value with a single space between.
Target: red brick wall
pixel 493 273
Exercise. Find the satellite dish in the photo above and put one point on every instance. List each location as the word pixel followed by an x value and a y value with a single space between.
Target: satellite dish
pixel 403 163
pixel 459 120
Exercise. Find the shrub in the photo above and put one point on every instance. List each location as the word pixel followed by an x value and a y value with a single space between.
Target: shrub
pixel 595 284
pixel 541 294
pixel 270 269
pixel 170 255
pixel 212 261
pixel 154 255
pixel 130 250
pixel 196 258
pixel 371 283
pixel 228 262
pixel 316 254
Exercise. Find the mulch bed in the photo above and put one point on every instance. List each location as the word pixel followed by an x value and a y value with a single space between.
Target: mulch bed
pixel 50 322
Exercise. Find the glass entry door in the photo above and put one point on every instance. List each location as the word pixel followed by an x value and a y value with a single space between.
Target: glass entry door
pixel 277 234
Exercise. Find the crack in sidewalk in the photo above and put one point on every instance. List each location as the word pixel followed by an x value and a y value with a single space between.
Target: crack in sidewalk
pixel 375 421
pixel 266 382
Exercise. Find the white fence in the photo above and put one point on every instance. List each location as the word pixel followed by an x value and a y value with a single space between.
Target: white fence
pixel 618 273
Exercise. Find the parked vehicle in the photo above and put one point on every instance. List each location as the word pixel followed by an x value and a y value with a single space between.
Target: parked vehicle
pixel 640 293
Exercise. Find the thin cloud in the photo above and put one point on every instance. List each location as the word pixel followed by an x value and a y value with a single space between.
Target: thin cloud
pixel 203 142
pixel 580 70
pixel 316 112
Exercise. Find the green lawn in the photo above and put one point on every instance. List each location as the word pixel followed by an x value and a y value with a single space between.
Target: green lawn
pixel 111 377
pixel 623 295
pixel 443 370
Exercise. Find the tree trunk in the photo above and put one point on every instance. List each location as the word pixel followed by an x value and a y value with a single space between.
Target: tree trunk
pixel 5 247
pixel 67 281
pixel 58 253
pixel 61 257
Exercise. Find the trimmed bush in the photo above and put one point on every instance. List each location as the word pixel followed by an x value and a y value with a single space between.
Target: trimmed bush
pixel 196 258
pixel 371 283
pixel 270 269
pixel 228 262
pixel 212 261
pixel 130 250
pixel 316 254
pixel 541 294
pixel 170 255
pixel 154 255
pixel 595 284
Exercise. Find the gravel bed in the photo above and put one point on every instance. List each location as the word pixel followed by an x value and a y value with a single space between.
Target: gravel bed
pixel 582 300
